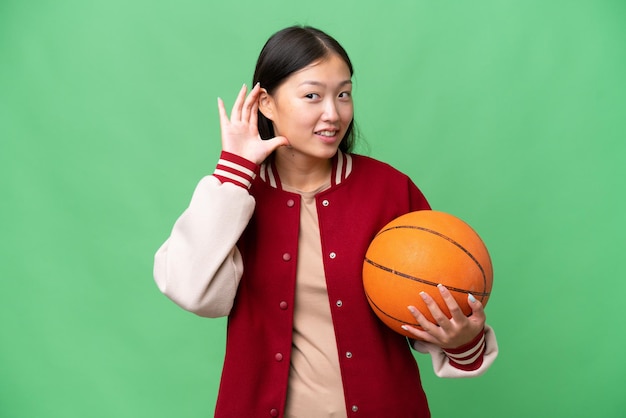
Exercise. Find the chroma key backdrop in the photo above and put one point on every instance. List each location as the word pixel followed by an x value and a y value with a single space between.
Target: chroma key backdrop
pixel 508 114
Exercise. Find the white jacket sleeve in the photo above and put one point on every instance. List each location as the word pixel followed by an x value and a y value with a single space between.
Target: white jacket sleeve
pixel 443 363
pixel 199 266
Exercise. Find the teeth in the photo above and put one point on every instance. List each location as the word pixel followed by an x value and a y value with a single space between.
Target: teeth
pixel 327 133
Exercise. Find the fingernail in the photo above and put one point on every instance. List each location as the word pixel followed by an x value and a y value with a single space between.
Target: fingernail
pixel 412 309
pixel 424 295
pixel 404 327
pixel 471 298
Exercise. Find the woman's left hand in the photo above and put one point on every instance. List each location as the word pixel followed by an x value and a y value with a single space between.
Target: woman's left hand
pixel 448 332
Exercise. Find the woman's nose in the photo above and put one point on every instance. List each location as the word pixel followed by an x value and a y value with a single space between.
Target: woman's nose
pixel 330 111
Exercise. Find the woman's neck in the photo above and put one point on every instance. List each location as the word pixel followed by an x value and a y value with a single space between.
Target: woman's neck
pixel 303 173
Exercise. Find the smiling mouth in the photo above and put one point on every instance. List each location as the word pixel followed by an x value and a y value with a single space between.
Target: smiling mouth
pixel 327 133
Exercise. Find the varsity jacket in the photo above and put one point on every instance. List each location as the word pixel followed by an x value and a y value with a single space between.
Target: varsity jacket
pixel 234 252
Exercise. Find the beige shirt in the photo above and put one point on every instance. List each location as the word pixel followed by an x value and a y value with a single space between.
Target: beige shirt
pixel 315 387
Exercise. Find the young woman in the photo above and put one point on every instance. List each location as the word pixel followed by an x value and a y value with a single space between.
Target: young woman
pixel 275 240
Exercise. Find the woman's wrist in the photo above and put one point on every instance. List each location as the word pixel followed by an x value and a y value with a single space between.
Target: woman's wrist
pixel 232 168
pixel 468 356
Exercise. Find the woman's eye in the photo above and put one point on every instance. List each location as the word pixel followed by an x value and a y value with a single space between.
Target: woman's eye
pixel 312 96
pixel 345 94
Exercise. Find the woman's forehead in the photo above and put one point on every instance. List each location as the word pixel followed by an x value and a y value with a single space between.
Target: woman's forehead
pixel 330 70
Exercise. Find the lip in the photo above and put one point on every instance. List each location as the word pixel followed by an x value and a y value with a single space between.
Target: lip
pixel 327 139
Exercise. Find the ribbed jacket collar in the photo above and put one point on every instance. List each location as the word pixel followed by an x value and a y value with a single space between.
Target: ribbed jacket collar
pixel 341 169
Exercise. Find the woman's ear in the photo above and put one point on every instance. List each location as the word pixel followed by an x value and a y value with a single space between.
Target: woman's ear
pixel 266 104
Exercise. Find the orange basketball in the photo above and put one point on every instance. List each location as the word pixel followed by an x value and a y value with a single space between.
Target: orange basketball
pixel 415 253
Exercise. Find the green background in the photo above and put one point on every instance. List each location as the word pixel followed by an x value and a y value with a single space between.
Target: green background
pixel 509 114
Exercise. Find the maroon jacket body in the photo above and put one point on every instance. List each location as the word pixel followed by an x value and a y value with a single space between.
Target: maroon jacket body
pixel 380 375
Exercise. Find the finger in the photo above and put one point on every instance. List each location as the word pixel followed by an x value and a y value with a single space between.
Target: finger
pixel 235 114
pixel 254 115
pixel 249 103
pixel 478 310
pixel 222 112
pixel 419 334
pixel 427 326
pixel 441 318
pixel 455 310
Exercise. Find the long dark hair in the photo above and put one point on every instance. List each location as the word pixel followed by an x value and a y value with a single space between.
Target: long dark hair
pixel 288 51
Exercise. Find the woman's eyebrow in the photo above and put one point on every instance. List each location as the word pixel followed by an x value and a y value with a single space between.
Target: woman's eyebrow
pixel 319 83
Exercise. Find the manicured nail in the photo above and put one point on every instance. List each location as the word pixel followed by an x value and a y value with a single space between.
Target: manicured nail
pixel 471 298
pixel 424 295
pixel 404 327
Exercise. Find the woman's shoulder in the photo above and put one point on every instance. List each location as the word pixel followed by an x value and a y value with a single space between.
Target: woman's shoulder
pixel 381 181
pixel 364 164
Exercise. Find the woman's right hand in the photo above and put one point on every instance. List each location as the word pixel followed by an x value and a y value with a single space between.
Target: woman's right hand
pixel 240 133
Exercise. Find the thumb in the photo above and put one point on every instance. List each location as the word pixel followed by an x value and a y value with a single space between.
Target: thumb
pixel 276 142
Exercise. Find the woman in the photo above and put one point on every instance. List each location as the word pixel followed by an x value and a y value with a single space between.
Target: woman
pixel 275 240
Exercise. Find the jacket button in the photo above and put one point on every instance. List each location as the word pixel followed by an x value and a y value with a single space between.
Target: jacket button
pixel 348 354
pixel 278 357
pixel 283 305
pixel 273 412
pixel 355 408
pixel 332 255
pixel 290 203
pixel 325 202
pixel 286 256
pixel 339 303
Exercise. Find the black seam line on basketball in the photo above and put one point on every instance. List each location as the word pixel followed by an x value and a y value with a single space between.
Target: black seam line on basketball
pixel 389 316
pixel 415 325
pixel 453 242
pixel 417 279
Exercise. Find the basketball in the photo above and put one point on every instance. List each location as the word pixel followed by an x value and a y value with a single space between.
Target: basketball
pixel 416 252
